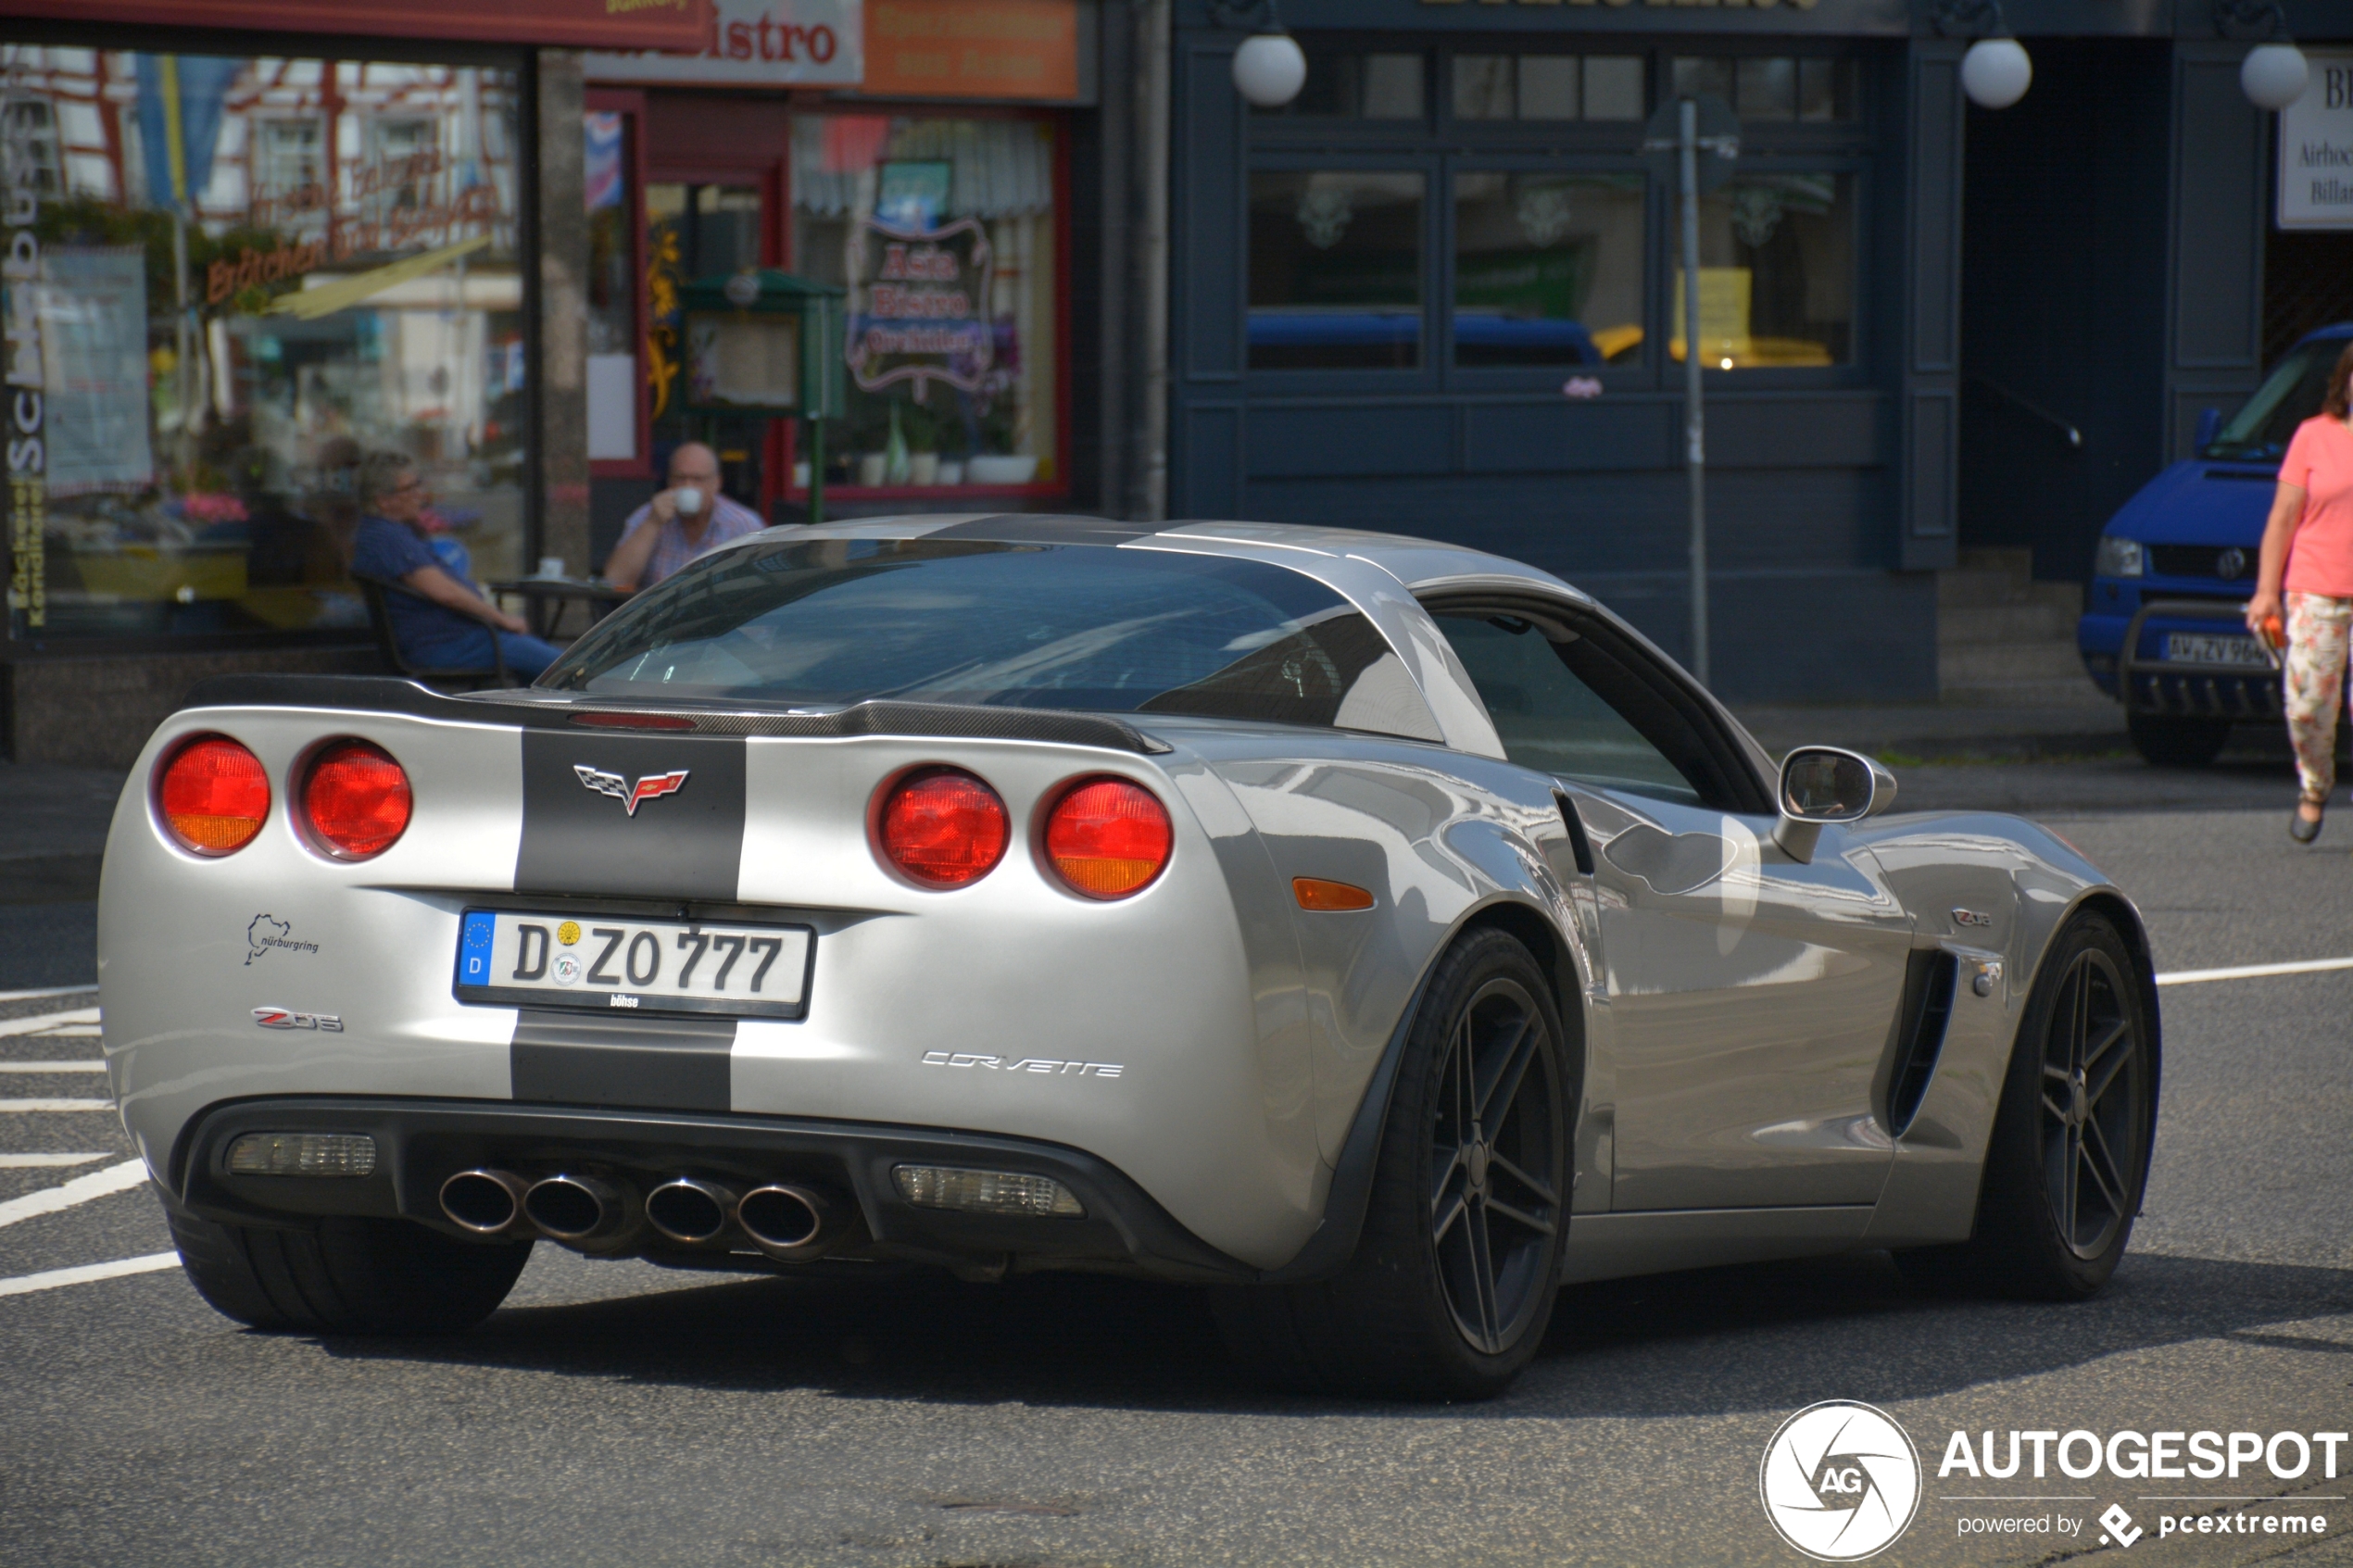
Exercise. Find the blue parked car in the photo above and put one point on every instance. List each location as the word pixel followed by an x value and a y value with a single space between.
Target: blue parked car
pixel 2163 627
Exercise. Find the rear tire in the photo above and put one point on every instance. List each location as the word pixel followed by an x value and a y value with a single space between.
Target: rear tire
pixel 2068 1158
pixel 2177 742
pixel 1454 1275
pixel 345 1275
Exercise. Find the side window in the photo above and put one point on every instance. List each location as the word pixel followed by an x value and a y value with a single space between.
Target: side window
pixel 1549 718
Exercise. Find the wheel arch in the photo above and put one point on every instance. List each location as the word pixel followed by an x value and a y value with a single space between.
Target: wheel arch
pixel 1335 1239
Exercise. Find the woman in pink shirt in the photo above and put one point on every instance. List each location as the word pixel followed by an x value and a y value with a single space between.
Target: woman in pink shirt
pixel 2307 552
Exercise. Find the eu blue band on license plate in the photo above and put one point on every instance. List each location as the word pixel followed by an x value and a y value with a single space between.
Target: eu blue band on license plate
pixel 594 961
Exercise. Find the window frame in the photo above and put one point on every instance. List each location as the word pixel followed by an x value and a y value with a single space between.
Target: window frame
pixel 1442 144
pixel 1737 760
pixel 1426 376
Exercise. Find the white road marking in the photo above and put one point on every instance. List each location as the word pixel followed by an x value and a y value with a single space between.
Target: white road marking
pixel 9 1105
pixel 41 1023
pixel 52 1067
pixel 38 1162
pixel 81 1189
pixel 2253 972
pixel 25 1284
pixel 52 991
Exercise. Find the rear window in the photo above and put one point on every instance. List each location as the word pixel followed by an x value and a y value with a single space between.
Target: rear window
pixel 827 623
pixel 2262 429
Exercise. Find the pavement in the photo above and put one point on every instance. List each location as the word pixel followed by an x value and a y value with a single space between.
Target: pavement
pixel 615 1412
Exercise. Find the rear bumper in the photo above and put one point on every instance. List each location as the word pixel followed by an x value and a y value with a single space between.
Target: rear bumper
pixel 421 1143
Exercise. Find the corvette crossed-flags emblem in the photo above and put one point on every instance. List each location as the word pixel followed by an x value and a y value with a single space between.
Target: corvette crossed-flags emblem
pixel 652 786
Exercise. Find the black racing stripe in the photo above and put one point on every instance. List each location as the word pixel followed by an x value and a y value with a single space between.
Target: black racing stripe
pixel 650 1064
pixel 684 845
pixel 1039 528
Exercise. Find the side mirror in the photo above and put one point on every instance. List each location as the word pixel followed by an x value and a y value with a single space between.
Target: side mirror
pixel 1821 784
pixel 2210 425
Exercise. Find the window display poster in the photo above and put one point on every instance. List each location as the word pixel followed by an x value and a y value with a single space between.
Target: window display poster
pixel 94 342
pixel 2316 147
pixel 756 44
pixel 918 302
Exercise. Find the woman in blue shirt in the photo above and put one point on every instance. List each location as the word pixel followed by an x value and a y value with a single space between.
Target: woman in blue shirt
pixel 440 620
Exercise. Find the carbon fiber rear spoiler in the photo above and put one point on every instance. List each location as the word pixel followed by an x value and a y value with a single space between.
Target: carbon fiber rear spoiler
pixel 541 710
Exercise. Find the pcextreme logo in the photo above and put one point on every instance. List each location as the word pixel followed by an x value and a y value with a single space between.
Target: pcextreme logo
pixel 1841 1481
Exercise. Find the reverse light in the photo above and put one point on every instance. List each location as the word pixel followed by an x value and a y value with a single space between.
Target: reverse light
pixel 214 796
pixel 1108 838
pixel 355 800
pixel 942 828
pixel 302 1154
pixel 984 1192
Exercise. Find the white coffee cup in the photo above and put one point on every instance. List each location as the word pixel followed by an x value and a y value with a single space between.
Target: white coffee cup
pixel 687 499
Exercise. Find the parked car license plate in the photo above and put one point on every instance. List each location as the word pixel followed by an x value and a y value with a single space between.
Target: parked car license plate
pixel 2205 648
pixel 524 959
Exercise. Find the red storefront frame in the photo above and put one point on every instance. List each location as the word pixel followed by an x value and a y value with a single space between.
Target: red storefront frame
pixel 580 24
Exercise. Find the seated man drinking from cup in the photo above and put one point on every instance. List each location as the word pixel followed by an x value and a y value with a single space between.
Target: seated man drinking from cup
pixel 690 519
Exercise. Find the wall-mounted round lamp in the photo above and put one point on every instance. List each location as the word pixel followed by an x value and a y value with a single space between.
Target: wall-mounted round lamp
pixel 1270 70
pixel 1996 72
pixel 2273 75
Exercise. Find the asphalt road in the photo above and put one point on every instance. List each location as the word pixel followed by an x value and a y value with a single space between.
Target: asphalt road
pixel 616 1413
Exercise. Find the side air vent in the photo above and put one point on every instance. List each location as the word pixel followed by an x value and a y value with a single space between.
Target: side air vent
pixel 1928 1008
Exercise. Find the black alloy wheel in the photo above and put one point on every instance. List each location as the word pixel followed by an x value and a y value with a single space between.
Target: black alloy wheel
pixel 2093 1105
pixel 1492 1127
pixel 1452 1280
pixel 2067 1157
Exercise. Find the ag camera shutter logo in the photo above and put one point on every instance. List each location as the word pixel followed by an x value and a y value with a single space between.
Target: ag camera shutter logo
pixel 1841 1481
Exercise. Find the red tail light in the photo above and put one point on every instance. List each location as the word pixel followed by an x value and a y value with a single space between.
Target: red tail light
pixel 1108 838
pixel 355 800
pixel 214 796
pixel 944 828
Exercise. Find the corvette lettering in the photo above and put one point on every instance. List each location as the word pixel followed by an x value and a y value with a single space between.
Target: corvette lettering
pixel 1025 1064
pixel 632 796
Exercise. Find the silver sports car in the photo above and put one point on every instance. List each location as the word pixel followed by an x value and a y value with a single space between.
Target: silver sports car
pixel 1377 932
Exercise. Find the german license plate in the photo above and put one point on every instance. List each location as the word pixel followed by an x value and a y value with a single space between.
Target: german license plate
pixel 2205 648
pixel 610 964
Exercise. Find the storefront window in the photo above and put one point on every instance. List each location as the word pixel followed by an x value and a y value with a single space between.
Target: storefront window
pixel 230 280
pixel 1347 84
pixel 1776 274
pixel 1548 269
pixel 1548 87
pixel 944 232
pixel 1335 269
pixel 1773 89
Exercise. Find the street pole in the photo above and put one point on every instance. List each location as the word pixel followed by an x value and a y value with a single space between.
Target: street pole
pixel 1695 420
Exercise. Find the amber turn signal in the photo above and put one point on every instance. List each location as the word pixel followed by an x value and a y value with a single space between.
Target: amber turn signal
pixel 1315 892
pixel 1108 838
pixel 213 796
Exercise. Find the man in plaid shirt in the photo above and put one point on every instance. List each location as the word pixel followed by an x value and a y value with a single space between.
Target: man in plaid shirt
pixel 690 519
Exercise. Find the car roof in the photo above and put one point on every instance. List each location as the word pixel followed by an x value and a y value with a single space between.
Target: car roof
pixel 1419 564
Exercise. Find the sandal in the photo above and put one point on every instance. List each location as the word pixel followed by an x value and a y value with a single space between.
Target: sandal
pixel 2302 829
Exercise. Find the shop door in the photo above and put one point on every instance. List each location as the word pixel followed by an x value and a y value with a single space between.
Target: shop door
pixel 696 227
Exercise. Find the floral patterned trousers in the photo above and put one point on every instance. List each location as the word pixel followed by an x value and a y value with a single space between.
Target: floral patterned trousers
pixel 2318 626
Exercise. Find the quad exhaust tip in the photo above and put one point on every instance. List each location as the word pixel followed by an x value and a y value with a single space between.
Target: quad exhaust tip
pixel 587 1213
pixel 689 1211
pixel 789 1222
pixel 484 1201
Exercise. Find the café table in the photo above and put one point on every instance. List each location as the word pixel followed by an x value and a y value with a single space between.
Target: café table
pixel 548 598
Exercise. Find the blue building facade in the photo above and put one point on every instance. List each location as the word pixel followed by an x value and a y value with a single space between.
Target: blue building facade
pixel 1439 294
